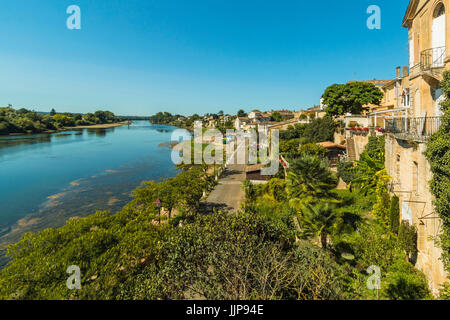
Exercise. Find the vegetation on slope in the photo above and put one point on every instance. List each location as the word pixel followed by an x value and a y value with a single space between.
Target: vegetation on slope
pixel 26 121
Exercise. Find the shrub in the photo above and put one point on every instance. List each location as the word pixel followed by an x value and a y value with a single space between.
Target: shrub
pixel 407 237
pixel 346 172
pixel 394 214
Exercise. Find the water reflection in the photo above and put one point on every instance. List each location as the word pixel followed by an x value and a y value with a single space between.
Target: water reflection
pixel 13 141
pixel 100 132
pixel 46 179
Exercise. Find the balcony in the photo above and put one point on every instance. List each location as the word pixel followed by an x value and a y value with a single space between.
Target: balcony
pixel 416 129
pixel 431 63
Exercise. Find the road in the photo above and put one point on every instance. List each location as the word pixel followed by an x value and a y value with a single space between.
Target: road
pixel 228 194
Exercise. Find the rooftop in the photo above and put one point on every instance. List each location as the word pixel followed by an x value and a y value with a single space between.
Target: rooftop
pixel 329 145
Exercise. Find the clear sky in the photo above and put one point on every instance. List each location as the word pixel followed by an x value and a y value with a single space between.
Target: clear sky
pixel 137 57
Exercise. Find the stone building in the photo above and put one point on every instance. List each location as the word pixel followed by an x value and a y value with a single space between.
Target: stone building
pixel 408 130
pixel 396 99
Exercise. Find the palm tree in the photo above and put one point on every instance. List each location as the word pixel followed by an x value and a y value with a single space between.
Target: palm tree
pixel 318 221
pixel 310 181
pixel 369 171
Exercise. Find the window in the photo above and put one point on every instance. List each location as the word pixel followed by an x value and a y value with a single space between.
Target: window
pixel 406 98
pixel 438 36
pixel 440 10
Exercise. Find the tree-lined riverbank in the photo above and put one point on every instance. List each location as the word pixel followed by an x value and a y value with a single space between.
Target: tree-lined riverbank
pixel 23 121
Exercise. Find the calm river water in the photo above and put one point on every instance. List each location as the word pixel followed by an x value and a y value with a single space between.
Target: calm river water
pixel 47 178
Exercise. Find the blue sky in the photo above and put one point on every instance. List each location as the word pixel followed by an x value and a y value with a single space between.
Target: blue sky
pixel 138 57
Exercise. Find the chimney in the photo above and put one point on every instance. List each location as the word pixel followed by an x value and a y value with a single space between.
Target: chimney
pixel 398 70
pixel 405 71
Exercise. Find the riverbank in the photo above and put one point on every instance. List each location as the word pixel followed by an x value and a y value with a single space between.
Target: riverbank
pixel 100 126
pixel 84 171
pixel 93 126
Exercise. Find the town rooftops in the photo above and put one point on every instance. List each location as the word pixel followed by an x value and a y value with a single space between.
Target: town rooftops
pixel 378 83
pixel 330 145
pixel 313 109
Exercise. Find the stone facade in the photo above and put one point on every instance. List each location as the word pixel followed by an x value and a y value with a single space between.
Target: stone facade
pixel 410 174
pixel 428 24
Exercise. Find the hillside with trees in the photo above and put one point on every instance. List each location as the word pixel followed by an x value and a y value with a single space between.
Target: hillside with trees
pixel 14 121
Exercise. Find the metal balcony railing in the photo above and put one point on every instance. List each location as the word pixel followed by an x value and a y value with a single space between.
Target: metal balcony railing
pixel 413 128
pixel 431 60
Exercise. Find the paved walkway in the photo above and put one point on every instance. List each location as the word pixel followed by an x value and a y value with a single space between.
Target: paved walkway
pixel 228 194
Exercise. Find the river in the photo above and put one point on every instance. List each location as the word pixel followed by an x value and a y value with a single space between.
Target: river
pixel 45 179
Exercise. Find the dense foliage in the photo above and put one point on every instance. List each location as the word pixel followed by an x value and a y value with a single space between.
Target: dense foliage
pixel 295 238
pixel 351 98
pixel 369 171
pixel 345 224
pixel 26 121
pixel 318 130
pixel 164 118
pixel 438 154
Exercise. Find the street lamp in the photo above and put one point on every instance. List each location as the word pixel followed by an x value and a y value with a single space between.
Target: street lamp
pixel 158 205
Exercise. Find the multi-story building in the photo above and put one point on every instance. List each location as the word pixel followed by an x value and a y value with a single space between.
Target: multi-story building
pixel 396 99
pixel 415 117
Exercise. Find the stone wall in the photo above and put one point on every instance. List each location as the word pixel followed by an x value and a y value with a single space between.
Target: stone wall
pixel 339 138
pixel 361 142
pixel 410 174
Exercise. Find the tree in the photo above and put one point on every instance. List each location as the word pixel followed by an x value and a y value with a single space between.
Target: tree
pixel 62 120
pixel 145 197
pixel 319 130
pixel 394 213
pixel 313 149
pixel 407 237
pixel 52 112
pixel 310 181
pixel 381 209
pixel 369 172
pixel 244 256
pixel 169 195
pixel 276 117
pixel 318 221
pixel 241 114
pixel 351 98
pixel 346 172
pixel 190 186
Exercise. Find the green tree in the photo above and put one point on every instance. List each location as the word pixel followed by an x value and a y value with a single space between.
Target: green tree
pixel 407 237
pixel 313 149
pixel 320 130
pixel 351 98
pixel 277 117
pixel 346 172
pixel 241 114
pixel 310 181
pixel 244 256
pixel 318 221
pixel 394 213
pixel 381 209
pixel 369 172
